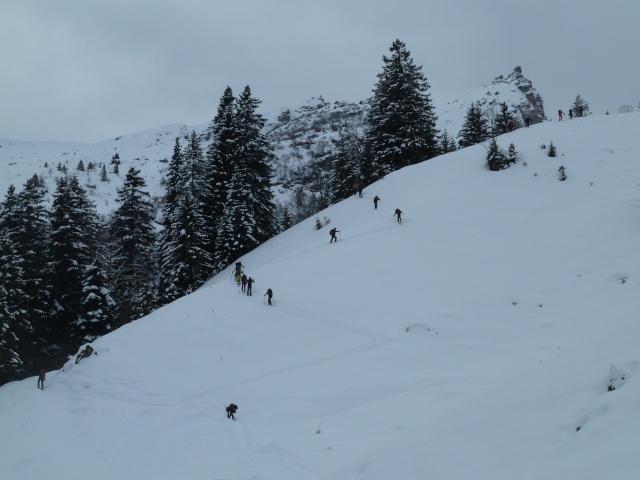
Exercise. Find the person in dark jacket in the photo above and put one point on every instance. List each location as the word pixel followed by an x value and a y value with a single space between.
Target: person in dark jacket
pixel 333 232
pixel 244 282
pixel 269 295
pixel 231 410
pixel 398 213
pixel 376 199
pixel 250 282
pixel 239 266
pixel 41 378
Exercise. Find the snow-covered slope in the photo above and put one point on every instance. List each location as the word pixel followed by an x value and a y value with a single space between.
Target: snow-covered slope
pixel 301 136
pixel 147 151
pixel 476 340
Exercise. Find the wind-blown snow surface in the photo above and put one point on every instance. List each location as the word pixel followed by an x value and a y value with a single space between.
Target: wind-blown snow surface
pixel 476 340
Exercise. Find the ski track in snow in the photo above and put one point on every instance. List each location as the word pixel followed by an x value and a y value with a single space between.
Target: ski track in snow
pixel 374 340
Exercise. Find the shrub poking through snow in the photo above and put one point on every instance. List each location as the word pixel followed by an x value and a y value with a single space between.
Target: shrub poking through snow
pixel 562 173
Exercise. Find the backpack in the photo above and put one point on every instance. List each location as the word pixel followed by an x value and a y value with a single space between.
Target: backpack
pixel 332 232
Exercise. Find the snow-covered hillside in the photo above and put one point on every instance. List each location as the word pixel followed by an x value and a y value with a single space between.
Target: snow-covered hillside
pixel 301 136
pixel 478 339
pixel 147 151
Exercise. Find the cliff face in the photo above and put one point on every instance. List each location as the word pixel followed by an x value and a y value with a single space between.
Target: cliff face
pixel 515 90
pixel 309 135
pixel 532 105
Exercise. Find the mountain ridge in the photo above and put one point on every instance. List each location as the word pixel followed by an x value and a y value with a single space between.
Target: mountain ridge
pixel 300 138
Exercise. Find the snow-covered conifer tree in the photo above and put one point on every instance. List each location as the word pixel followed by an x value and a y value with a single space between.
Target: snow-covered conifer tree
pixel 401 120
pixel 133 236
pixel 474 129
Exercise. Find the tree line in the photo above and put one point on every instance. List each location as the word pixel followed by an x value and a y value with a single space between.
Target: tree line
pixel 68 277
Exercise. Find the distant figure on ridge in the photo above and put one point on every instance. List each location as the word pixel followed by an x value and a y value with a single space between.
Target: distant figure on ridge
pixel 560 114
pixel 376 199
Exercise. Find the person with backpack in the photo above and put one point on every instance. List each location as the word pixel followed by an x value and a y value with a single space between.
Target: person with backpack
pixel 269 295
pixel 398 213
pixel 560 114
pixel 41 378
pixel 231 410
pixel 238 272
pixel 376 199
pixel 244 282
pixel 333 232
pixel 250 282
pixel 239 266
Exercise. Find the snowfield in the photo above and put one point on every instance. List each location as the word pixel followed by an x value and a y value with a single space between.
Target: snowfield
pixel 477 340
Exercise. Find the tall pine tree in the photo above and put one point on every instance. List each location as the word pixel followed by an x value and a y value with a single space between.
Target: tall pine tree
pixel 238 226
pixel 474 129
pixel 96 317
pixel 133 236
pixel 75 231
pixel 254 153
pixel 401 120
pixel 580 107
pixel 220 158
pixel 30 234
pixel 447 143
pixel 506 121
pixel 14 326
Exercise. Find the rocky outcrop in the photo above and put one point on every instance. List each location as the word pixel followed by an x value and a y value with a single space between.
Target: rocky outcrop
pixel 515 90
pixel 532 105
pixel 309 134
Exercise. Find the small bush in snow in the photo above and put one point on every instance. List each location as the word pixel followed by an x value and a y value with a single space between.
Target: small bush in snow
pixel 496 159
pixel 561 172
pixel 552 150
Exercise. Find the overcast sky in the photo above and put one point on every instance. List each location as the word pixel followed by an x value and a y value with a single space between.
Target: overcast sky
pixel 89 70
